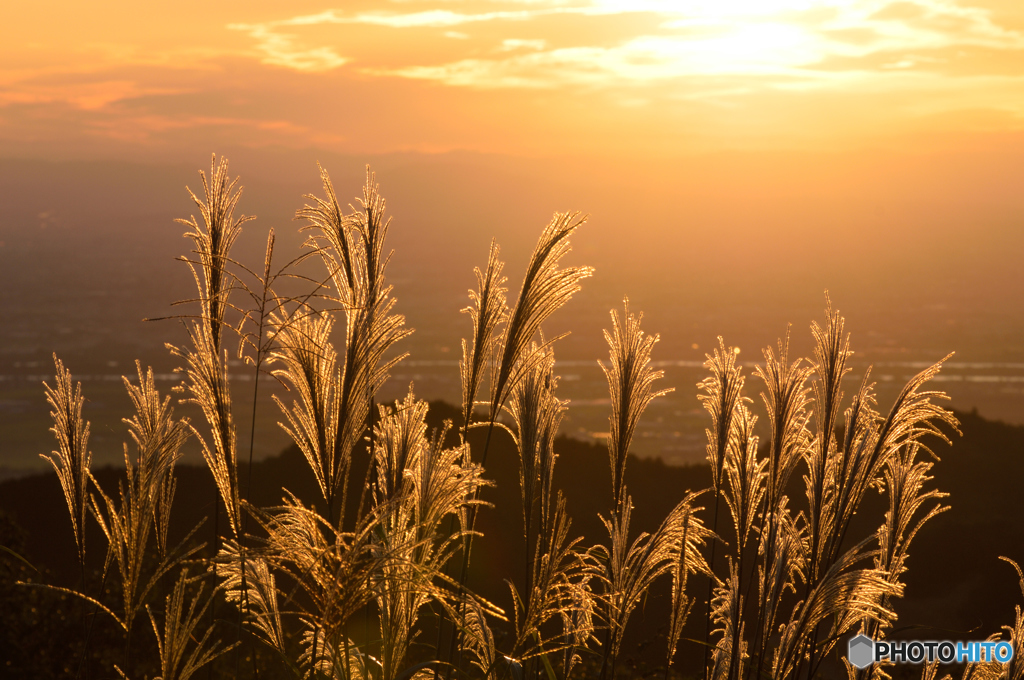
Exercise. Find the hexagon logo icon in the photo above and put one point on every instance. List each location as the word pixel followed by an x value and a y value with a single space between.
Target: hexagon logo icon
pixel 861 651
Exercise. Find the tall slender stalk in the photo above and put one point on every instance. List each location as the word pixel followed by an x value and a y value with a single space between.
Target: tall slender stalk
pixel 545 289
pixel 72 459
pixel 721 399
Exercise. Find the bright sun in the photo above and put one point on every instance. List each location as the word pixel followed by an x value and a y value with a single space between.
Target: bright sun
pixel 736 36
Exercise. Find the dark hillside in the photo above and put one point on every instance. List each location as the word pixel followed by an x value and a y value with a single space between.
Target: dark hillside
pixel 957 586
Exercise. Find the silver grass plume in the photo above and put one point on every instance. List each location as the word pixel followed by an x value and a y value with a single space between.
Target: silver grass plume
pixel 180 632
pixel 72 458
pixel 213 241
pixel 685 559
pixel 912 416
pixel 255 592
pixel 418 485
pixel 842 592
pixel 722 399
pixel 781 547
pixel 127 524
pixel 577 623
pixel 722 393
pixel 207 368
pixel 207 383
pixel 869 444
pixel 545 289
pixel 831 351
pixel 727 611
pixel 352 247
pixel 841 471
pixel 905 479
pixel 444 483
pixel 630 382
pixel 552 563
pixel 628 570
pixel 746 478
pixel 553 590
pixel 158 439
pixel 783 566
pixel 398 440
pixel 786 400
pixel 848 472
pixel 744 493
pixel 536 414
pixel 336 570
pixel 304 349
pixel 487 311
pixel 332 659
pixel 479 640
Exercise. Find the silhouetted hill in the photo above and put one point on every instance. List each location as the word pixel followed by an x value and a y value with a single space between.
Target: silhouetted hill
pixel 955 579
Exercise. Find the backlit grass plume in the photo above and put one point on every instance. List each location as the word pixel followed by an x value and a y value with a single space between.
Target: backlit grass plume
pixel 352 247
pixel 183 644
pixel 840 471
pixel 487 311
pixel 418 485
pixel 254 591
pixel 208 384
pixel 213 241
pixel 786 399
pixel 72 458
pixel 206 360
pixel 843 593
pixel 143 501
pixel 308 363
pixel 630 381
pixel 628 570
pixel 545 289
pixel 158 440
pixel 332 571
pixel 555 584
pixel 722 399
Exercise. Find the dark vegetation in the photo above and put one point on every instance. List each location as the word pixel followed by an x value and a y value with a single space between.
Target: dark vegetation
pixel 957 587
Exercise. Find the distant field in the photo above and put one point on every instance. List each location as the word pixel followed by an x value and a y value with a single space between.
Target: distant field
pixel 673 428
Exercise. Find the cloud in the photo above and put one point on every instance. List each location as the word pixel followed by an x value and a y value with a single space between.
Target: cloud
pixel 88 96
pixel 478 74
pixel 513 44
pixel 807 40
pixel 280 49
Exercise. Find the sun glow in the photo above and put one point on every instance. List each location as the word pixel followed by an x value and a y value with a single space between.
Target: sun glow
pixel 727 69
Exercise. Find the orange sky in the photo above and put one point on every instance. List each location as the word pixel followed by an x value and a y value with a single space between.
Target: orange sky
pixel 737 159
pixel 634 78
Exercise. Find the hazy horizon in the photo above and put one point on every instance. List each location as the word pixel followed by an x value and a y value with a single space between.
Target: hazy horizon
pixel 729 249
pixel 736 159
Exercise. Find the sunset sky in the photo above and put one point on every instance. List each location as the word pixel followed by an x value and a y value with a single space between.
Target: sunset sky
pixel 737 158
pixel 537 77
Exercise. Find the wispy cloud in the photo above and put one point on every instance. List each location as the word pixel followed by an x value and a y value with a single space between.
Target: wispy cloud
pixel 90 96
pixel 444 74
pixel 513 44
pixel 788 39
pixel 280 49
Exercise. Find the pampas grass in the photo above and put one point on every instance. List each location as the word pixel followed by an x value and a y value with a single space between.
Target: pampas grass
pixel 72 458
pixel 328 593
